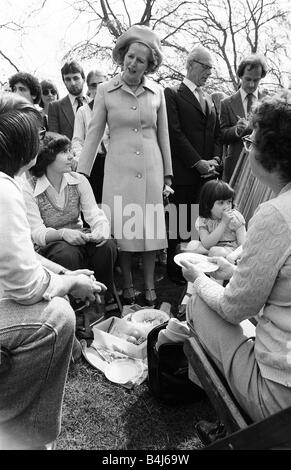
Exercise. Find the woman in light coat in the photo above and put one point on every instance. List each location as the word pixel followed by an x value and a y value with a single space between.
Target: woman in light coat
pixel 138 162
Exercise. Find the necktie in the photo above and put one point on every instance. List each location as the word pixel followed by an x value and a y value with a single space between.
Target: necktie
pixel 249 102
pixel 79 100
pixel 201 99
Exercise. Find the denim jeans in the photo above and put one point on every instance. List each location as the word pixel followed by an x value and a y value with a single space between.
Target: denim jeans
pixel 39 338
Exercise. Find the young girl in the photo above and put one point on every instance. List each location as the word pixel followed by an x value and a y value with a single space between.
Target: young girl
pixel 221 228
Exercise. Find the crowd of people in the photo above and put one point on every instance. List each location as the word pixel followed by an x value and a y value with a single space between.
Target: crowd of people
pixel 84 180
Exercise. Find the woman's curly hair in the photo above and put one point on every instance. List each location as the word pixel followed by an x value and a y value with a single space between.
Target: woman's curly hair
pixel 53 144
pixel 272 121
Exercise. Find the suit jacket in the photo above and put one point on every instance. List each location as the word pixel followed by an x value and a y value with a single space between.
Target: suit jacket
pixel 231 108
pixel 61 117
pixel 193 134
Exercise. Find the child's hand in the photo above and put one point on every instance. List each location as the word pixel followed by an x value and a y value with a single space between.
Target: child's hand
pixel 231 258
pixel 227 216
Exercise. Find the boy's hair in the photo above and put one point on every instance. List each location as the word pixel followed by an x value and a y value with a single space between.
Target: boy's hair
pixel 28 80
pixel 214 190
pixel 19 126
pixel 53 144
pixel 72 67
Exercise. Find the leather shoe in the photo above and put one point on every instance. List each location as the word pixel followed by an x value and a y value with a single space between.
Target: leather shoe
pixel 210 432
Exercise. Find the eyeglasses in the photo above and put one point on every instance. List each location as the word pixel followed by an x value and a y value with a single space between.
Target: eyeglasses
pixel 205 66
pixel 49 91
pixel 248 143
pixel 41 133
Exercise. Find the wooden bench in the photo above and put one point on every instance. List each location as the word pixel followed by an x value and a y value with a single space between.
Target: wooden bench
pixel 242 433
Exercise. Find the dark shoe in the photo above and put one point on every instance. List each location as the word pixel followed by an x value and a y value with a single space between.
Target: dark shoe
pixel 151 297
pixel 128 295
pixel 210 432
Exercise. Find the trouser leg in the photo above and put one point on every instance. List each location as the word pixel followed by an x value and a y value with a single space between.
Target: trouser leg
pixel 70 256
pixel 39 338
pixel 233 352
pixel 102 260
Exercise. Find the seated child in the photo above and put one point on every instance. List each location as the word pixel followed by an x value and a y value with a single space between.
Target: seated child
pixel 220 226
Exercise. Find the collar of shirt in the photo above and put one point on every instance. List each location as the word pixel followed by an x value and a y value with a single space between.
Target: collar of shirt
pixel 243 94
pixel 43 183
pixel 192 87
pixel 74 103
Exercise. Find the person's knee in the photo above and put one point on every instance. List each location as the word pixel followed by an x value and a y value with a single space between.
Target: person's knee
pixel 61 316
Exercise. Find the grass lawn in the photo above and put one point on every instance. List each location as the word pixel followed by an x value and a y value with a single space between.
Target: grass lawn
pixel 101 415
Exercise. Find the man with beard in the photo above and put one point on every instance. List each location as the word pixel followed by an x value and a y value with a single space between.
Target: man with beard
pixel 61 113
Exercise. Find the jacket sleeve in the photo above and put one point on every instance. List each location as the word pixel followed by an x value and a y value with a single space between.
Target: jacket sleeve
pixel 183 147
pixel 264 254
pixel 53 119
pixel 226 124
pixel 95 133
pixel 163 137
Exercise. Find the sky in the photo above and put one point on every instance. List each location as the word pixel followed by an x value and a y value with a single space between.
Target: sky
pixel 48 36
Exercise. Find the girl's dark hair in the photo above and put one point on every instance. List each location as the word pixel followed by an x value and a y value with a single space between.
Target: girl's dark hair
pixel 19 126
pixel 48 85
pixel 53 144
pixel 272 121
pixel 214 190
pixel 28 80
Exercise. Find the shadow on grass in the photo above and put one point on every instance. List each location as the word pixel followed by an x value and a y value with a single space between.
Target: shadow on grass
pixel 151 425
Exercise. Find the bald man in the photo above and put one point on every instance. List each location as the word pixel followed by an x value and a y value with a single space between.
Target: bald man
pixel 195 140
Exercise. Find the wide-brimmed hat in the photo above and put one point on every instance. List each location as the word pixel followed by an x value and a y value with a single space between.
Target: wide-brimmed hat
pixel 144 35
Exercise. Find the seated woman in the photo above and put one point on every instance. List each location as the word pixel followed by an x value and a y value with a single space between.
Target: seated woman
pixel 258 370
pixel 37 323
pixel 55 197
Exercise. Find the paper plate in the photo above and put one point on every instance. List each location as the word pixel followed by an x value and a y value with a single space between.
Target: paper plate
pixel 201 261
pixel 121 371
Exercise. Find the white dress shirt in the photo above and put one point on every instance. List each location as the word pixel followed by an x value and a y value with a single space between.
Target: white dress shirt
pixel 82 120
pixel 74 101
pixel 192 87
pixel 93 215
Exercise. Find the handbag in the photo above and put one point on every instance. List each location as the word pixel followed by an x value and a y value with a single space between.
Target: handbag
pixel 168 377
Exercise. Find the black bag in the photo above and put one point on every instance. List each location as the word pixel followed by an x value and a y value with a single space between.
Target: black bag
pixel 168 372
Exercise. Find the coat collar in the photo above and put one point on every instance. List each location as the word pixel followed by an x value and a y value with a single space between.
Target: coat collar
pixel 116 82
pixel 189 96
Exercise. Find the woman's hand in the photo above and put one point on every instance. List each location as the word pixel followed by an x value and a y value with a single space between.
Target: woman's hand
pixel 226 269
pixel 190 272
pixel 168 180
pixel 74 237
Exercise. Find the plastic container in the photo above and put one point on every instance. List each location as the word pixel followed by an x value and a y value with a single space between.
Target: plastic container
pixel 149 318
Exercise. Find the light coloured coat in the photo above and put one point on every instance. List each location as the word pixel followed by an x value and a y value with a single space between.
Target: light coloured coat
pixel 138 158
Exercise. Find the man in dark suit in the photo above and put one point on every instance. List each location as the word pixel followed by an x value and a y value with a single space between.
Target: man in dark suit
pixel 235 110
pixel 194 132
pixel 61 113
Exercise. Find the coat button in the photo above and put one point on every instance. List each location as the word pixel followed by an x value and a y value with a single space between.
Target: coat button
pixel 115 83
pixel 139 175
